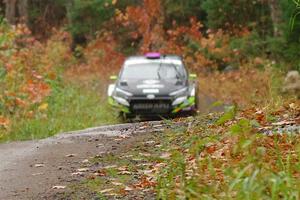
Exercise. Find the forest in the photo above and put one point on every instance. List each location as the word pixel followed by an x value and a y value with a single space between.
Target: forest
pixel 56 57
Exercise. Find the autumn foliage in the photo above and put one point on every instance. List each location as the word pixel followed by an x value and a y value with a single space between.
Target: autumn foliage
pixel 29 69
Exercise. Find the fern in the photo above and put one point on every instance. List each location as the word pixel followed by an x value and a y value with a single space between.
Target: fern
pixel 295 14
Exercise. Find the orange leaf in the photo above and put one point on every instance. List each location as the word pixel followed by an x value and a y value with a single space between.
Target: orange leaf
pixel 20 102
pixel 4 122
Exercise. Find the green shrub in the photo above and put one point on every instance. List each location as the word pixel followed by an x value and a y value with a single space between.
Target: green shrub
pixel 88 16
pixel 235 14
pixel 180 11
pixel 251 45
pixel 292 19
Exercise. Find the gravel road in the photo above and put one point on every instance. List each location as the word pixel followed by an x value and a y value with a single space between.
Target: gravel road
pixel 30 170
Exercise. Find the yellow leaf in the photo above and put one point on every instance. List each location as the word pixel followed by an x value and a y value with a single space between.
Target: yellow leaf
pixel 43 107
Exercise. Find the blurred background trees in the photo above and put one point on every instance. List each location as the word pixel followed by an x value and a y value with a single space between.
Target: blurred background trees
pixel 43 43
pixel 267 20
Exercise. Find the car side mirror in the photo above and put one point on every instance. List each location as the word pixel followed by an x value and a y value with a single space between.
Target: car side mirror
pixel 193 76
pixel 113 78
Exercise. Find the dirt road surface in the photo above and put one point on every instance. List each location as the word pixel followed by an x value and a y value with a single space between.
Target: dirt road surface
pixel 32 169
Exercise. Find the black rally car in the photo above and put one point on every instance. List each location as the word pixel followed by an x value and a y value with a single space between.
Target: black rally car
pixel 153 85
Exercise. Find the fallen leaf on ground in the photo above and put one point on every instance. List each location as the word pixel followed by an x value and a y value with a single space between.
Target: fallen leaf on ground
pixel 110 166
pixel 283 123
pixel 128 189
pixel 70 155
pixel 150 173
pixel 39 165
pixel 145 183
pixel 145 154
pixel 124 136
pixel 127 156
pixel 37 174
pixel 106 190
pixel 165 155
pixel 150 142
pixel 144 164
pixel 137 159
pixel 83 170
pixel 77 174
pixel 124 168
pixel 124 173
pixel 58 187
pixel 100 173
pixel 116 183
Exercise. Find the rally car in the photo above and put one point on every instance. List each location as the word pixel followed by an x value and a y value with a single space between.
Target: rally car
pixel 153 85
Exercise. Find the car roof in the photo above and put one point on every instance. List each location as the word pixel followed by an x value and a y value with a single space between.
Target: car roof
pixel 167 56
pixel 172 59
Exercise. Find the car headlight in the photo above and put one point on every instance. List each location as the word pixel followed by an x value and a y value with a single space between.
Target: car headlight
pixel 111 89
pixel 193 92
pixel 179 100
pixel 179 92
pixel 121 101
pixel 123 92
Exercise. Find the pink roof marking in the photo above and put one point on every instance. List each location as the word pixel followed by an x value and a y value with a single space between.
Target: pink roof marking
pixel 153 55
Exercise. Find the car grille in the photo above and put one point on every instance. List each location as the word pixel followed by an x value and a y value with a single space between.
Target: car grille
pixel 151 106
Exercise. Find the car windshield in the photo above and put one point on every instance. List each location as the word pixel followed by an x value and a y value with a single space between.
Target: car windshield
pixel 150 71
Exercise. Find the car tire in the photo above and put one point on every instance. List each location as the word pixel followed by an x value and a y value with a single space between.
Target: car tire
pixel 122 116
pixel 195 110
pixel 126 118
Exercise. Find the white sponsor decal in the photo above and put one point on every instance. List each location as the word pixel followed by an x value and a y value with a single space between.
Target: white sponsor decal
pixel 146 86
pixel 151 82
pixel 150 91
pixel 150 96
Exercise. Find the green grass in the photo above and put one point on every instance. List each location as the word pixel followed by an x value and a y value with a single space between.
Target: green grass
pixel 252 166
pixel 249 169
pixel 70 108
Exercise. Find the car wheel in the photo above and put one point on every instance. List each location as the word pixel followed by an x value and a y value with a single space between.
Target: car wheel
pixel 196 107
pixel 124 117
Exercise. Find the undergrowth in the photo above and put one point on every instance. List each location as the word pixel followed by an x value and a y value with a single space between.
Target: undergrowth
pixel 231 162
pixel 217 156
pixel 68 108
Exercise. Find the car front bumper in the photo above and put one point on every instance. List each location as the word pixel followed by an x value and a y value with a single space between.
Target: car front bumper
pixel 161 106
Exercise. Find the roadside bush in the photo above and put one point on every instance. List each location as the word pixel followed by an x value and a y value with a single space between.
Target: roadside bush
pixel 28 71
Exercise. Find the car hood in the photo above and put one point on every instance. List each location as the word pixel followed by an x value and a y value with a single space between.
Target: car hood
pixel 156 87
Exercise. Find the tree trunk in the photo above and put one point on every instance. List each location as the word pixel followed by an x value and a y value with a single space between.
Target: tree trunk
pixel 10 11
pixel 23 11
pixel 153 39
pixel 276 15
pixel 16 11
pixel 2 8
pixel 69 5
